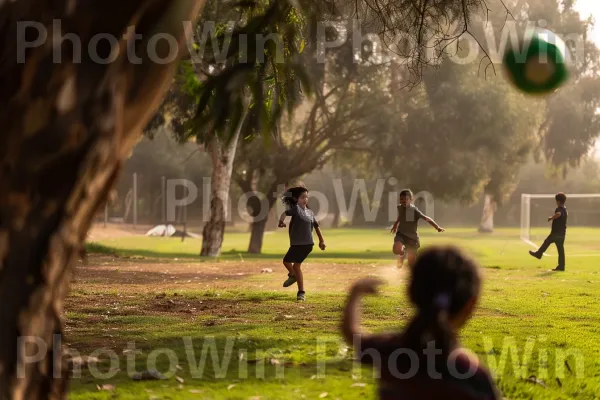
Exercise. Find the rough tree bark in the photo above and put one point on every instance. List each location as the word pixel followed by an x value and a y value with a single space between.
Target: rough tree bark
pixel 222 157
pixel 487 218
pixel 67 126
pixel 258 225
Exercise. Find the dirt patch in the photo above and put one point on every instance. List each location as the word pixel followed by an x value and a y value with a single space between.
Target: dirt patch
pixel 130 275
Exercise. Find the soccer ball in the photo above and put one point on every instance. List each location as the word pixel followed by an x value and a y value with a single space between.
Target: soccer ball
pixel 540 64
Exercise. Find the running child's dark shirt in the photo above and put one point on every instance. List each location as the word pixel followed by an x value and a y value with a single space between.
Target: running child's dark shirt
pixel 409 221
pixel 398 372
pixel 301 226
pixel 559 225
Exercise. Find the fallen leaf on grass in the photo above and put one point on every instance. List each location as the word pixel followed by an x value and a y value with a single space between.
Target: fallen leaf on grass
pixel 195 391
pixel 358 385
pixel 107 388
pixel 535 380
pixel 231 386
pixel 323 395
pixel 136 351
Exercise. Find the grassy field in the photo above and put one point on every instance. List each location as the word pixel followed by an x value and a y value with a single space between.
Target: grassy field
pixel 155 294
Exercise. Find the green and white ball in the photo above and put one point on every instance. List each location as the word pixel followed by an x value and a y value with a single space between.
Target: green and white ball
pixel 539 64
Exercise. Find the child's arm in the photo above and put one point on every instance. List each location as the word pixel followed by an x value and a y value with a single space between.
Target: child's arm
pixel 433 223
pixel 320 235
pixel 555 216
pixel 351 319
pixel 395 227
pixel 282 219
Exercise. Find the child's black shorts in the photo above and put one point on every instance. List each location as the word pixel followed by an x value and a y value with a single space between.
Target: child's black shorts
pixel 298 253
pixel 406 241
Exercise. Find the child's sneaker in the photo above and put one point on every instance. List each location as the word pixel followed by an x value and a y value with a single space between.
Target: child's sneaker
pixel 534 254
pixel 290 281
pixel 301 296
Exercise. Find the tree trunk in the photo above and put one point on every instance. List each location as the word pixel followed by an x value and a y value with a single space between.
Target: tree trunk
pixel 67 127
pixel 222 157
pixel 257 234
pixel 336 219
pixel 257 227
pixel 487 219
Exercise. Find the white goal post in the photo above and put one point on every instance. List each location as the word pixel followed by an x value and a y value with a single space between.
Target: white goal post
pixel 526 211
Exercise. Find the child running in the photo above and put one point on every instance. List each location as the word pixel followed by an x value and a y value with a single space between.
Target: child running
pixel 426 361
pixel 406 241
pixel 558 232
pixel 301 238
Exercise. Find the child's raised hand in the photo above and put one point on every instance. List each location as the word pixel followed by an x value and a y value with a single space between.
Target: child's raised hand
pixel 366 286
pixel 281 224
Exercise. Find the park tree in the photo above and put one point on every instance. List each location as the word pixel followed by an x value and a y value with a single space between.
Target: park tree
pixel 338 118
pixel 465 133
pixel 246 74
pixel 69 125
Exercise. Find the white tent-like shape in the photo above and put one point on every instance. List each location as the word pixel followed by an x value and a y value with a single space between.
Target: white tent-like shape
pixel 169 231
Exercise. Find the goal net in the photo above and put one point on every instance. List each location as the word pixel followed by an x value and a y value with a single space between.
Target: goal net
pixel 583 223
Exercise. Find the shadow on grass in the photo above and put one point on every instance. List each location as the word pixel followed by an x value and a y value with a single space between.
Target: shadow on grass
pixel 547 274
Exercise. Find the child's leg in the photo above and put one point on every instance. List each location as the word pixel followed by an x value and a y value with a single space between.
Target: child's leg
pixel 549 240
pixel 289 266
pixel 299 277
pixel 560 246
pixel 411 255
pixel 398 248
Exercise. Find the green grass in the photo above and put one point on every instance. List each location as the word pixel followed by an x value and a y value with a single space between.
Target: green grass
pixel 347 245
pixel 541 313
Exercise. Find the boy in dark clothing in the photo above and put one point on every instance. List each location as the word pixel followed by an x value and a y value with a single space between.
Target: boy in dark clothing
pixel 557 234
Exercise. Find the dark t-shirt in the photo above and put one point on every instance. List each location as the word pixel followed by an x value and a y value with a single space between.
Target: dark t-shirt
pixel 559 225
pixel 403 376
pixel 301 226
pixel 409 221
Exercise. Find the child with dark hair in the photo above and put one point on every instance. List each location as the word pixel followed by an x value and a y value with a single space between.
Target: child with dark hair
pixel 406 241
pixel 426 361
pixel 301 238
pixel 557 233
